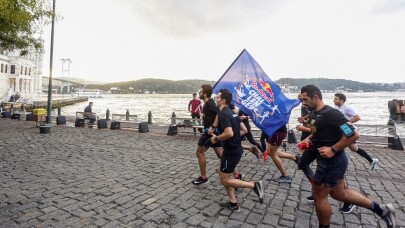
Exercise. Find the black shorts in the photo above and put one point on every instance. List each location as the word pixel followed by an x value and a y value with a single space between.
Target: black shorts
pixel 205 141
pixel 230 159
pixel 195 116
pixel 330 171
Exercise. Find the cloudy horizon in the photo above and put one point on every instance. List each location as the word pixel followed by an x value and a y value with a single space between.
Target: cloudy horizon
pixel 126 40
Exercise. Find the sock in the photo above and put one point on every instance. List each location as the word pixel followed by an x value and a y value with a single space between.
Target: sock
pixel 323 226
pixel 236 175
pixel 375 207
pixel 255 189
pixel 204 177
pixel 364 154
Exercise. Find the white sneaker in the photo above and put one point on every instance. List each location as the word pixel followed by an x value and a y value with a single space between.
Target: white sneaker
pixel 374 164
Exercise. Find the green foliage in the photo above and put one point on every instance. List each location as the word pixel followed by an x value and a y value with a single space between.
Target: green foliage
pixel 334 84
pixel 20 20
pixel 190 86
pixel 157 85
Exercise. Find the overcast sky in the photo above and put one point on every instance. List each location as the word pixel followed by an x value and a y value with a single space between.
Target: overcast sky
pixel 122 40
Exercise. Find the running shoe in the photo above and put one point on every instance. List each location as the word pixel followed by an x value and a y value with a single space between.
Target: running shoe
pixel 374 164
pixel 347 208
pixel 298 160
pixel 228 205
pixel 283 179
pixel 255 151
pixel 200 181
pixel 265 154
pixel 310 199
pixel 258 188
pixel 390 217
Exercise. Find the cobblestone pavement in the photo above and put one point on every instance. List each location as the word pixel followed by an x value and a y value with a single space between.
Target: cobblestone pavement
pixel 82 177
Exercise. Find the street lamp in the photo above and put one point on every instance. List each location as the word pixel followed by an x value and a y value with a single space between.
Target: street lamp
pixel 49 107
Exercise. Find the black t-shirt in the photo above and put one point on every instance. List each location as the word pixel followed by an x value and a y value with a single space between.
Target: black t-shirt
pixel 210 110
pixel 325 126
pixel 227 118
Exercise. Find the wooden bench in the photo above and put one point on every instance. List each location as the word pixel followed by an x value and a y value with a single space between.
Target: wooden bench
pixel 87 116
pixel 187 122
pixel 126 121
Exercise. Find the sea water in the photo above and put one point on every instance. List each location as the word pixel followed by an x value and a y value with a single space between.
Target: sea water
pixel 371 106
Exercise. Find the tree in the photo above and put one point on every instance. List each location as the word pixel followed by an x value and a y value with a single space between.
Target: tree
pixel 20 21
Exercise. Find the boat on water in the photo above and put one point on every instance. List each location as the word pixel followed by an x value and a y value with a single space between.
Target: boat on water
pixel 93 93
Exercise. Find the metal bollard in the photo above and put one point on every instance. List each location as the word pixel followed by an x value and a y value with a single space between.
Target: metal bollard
pixel 173 118
pixel 107 114
pixel 127 115
pixel 59 111
pixel 11 108
pixel 150 117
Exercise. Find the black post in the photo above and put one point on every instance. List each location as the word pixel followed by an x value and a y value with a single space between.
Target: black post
pixel 107 114
pixel 173 118
pixel 49 107
pixel 150 117
pixel 127 115
pixel 59 111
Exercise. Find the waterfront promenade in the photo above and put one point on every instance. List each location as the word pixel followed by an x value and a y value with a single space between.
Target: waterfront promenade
pixel 82 177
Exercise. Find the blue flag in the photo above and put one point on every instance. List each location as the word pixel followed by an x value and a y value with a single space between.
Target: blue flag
pixel 255 94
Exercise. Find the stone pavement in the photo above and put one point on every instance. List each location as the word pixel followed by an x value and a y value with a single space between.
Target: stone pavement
pixel 81 177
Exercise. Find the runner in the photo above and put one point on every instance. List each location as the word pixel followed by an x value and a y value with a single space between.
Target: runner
pixel 339 101
pixel 210 112
pixel 331 134
pixel 230 127
pixel 273 143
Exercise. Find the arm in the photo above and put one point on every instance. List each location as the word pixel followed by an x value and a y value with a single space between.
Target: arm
pixel 228 133
pixel 355 118
pixel 304 129
pixel 243 129
pixel 214 125
pixel 189 106
pixel 344 142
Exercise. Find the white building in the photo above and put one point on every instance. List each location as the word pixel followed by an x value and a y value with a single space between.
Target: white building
pixel 22 74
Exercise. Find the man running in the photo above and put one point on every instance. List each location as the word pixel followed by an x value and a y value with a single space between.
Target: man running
pixel 230 127
pixel 210 111
pixel 339 101
pixel 331 133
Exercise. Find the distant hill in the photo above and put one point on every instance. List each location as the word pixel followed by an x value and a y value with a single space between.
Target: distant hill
pixel 154 85
pixel 192 85
pixel 338 84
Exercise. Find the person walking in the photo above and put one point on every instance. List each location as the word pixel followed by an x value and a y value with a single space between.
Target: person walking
pixel 194 107
pixel 331 133
pixel 230 128
pixel 340 103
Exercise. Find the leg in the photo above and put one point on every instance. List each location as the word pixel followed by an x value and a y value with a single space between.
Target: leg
pixel 286 155
pixel 272 150
pixel 322 206
pixel 250 138
pixel 340 193
pixel 201 160
pixel 307 158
